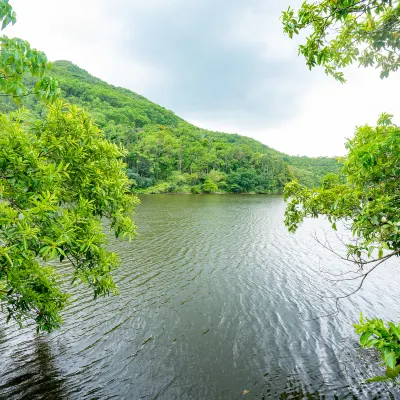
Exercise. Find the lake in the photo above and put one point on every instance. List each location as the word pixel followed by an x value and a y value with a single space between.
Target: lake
pixel 216 299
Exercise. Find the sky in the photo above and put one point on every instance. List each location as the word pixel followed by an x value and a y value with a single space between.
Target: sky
pixel 224 65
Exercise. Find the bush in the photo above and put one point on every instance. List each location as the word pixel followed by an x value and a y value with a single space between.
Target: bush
pixel 162 187
pixel 223 186
pixel 139 182
pixel 209 186
pixel 177 178
pixel 196 189
pixel 216 176
pixel 235 188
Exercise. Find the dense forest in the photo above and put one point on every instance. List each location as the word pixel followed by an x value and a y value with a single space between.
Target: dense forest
pixel 166 154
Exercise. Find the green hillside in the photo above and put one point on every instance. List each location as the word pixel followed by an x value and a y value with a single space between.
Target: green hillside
pixel 167 154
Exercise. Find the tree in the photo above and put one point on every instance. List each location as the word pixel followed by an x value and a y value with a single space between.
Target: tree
pixel 209 186
pixel 366 195
pixel 59 180
pixel 345 31
pixel 17 59
pixel 245 180
pixel 157 151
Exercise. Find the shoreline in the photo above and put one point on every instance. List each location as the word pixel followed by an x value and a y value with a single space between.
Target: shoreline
pixel 209 194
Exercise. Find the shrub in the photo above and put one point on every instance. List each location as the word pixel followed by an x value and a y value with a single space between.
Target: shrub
pixel 196 189
pixel 209 186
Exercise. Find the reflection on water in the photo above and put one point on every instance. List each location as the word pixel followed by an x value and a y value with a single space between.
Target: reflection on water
pixel 35 377
pixel 217 300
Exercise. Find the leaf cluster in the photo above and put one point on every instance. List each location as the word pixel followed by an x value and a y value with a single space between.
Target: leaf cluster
pixel 341 32
pixel 18 59
pixel 386 339
pixel 366 195
pixel 60 179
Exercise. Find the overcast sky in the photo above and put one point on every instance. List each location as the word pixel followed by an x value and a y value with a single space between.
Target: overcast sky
pixel 220 64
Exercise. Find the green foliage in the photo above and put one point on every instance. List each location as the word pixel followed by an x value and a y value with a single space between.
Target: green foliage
pixel 366 195
pixel 209 186
pixel 340 32
pixel 161 145
pixel 244 180
pixel 59 178
pixel 195 189
pixel 18 59
pixel 311 171
pixel 217 176
pixel 385 338
pixel 162 187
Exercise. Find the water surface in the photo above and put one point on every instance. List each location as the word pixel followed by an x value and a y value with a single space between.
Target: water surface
pixel 216 298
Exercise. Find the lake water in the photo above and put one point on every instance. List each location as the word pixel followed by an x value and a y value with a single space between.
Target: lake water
pixel 216 298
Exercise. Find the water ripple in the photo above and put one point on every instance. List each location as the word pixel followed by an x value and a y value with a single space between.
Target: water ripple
pixel 215 298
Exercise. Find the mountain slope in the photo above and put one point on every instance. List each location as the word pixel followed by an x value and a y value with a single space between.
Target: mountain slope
pixel 167 154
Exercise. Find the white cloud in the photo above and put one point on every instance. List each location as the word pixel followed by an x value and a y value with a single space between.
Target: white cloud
pixel 331 111
pixel 275 102
pixel 261 28
pixel 329 114
pixel 84 33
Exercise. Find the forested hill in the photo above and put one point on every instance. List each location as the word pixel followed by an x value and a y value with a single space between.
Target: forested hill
pixel 167 154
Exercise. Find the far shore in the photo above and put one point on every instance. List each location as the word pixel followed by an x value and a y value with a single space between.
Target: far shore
pixel 212 194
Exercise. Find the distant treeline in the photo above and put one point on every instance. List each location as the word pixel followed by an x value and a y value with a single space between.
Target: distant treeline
pixel 166 154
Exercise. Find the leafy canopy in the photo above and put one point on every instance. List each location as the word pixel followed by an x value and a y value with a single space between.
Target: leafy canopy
pixel 366 195
pixel 60 179
pixel 345 31
pixel 17 58
pixel 209 186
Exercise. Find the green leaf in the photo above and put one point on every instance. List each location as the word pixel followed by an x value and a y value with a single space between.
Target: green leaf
pixel 372 342
pixel 395 330
pixel 364 337
pixel 370 250
pixel 377 379
pixel 392 373
pixel 391 360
